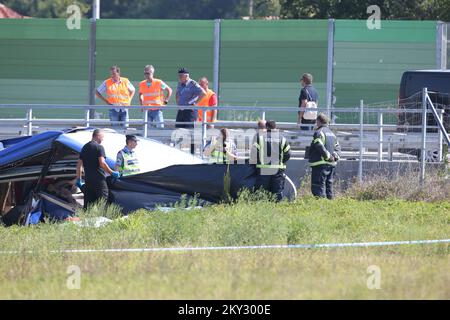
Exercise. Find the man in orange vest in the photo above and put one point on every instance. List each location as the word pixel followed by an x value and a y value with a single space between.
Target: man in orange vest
pixel 209 100
pixel 119 92
pixel 153 92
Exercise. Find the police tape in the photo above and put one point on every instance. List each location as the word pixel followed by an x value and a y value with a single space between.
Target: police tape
pixel 281 246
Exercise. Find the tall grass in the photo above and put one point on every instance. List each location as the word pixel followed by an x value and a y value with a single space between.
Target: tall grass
pixel 436 187
pixel 253 219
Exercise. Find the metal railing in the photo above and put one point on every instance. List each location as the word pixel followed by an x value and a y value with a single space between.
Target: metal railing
pixel 365 134
pixel 426 102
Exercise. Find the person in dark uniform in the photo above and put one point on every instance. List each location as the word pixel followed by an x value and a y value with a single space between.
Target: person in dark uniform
pixel 189 92
pixel 92 160
pixel 307 102
pixel 271 151
pixel 324 152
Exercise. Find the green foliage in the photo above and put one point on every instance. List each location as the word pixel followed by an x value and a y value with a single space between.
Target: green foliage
pixel 354 9
pixel 46 8
pixel 235 9
pixel 436 187
pixel 255 218
pixel 101 209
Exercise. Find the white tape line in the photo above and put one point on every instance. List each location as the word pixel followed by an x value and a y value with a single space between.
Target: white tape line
pixel 286 246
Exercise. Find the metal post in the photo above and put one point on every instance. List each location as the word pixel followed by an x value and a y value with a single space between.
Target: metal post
pixel 30 122
pixel 127 120
pixel 145 123
pixel 390 151
pixel 361 134
pixel 216 65
pixel 424 135
pixel 202 147
pixel 441 137
pixel 441 45
pixel 87 117
pixel 330 58
pixel 437 117
pixel 380 136
pixel 263 115
pixel 96 9
pixel 92 54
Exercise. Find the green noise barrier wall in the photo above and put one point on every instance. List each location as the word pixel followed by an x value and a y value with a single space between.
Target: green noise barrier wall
pixel 260 62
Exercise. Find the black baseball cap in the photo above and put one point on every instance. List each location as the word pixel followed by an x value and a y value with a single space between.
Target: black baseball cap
pixel 131 137
pixel 183 71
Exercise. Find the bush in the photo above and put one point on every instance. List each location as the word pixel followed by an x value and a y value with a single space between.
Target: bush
pixel 436 188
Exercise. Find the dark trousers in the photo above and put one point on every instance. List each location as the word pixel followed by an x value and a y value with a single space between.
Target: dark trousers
pixel 94 192
pixel 272 183
pixel 186 115
pixel 305 121
pixel 322 178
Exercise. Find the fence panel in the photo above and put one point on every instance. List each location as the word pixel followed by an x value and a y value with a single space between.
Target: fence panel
pixel 261 63
pixel 42 61
pixel 165 44
pixel 368 64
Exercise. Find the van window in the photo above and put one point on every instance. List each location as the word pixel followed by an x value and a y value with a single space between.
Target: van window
pixel 436 82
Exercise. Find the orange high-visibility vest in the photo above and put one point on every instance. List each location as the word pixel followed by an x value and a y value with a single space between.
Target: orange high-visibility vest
pixel 205 103
pixel 153 95
pixel 117 93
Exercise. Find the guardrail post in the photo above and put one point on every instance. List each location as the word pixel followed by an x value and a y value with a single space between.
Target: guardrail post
pixel 390 151
pixel 361 134
pixel 424 135
pixel 441 137
pixel 87 113
pixel 202 147
pixel 30 122
pixel 127 120
pixel 380 136
pixel 145 113
pixel 263 115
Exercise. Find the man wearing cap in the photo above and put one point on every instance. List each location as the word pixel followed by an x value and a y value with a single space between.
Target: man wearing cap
pixel 127 162
pixel 188 93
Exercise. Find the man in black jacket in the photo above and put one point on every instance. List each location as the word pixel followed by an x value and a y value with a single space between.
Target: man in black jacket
pixel 270 152
pixel 324 153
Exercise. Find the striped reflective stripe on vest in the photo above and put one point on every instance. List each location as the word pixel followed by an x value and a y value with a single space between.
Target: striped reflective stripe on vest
pixel 117 92
pixel 153 95
pixel 322 140
pixel 130 164
pixel 261 145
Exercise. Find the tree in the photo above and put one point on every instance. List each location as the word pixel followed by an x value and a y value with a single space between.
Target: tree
pixel 235 9
pixel 354 9
pixel 45 8
pixel 135 9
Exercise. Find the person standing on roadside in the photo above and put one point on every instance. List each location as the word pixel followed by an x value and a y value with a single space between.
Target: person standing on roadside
pixel 308 102
pixel 188 93
pixel 92 162
pixel 119 92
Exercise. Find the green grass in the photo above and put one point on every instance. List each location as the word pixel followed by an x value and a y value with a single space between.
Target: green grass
pixel 410 271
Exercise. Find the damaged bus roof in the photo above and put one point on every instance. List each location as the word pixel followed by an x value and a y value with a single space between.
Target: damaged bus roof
pixel 22 158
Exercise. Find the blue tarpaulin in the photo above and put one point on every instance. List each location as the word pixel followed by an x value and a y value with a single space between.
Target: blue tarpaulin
pixel 27 147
